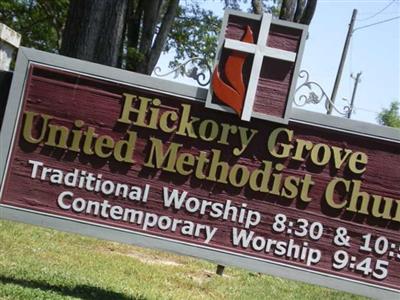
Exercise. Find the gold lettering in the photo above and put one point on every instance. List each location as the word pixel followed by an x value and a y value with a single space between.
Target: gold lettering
pixel 337 156
pixel 277 178
pixel 243 177
pixel 259 178
pixel 186 126
pixel 61 132
pixel 87 145
pixel 157 153
pixel 244 139
pixel 272 142
pixel 185 159
pixel 205 129
pixel 356 195
pixel 301 145
pixel 226 129
pixel 201 161
pixel 358 158
pixel 316 154
pixel 377 206
pixel 290 187
pixel 129 146
pixel 330 189
pixel 154 113
pixel 28 126
pixel 104 142
pixel 164 118
pixel 76 136
pixel 215 164
pixel 397 215
pixel 128 109
pixel 305 188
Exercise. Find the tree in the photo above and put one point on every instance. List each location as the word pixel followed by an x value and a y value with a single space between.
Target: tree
pixel 154 26
pixel 299 11
pixel 131 34
pixel 256 6
pixel 391 116
pixel 94 30
pixel 148 27
pixel 40 22
pixel 193 34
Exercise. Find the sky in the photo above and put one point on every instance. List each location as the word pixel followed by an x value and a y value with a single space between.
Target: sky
pixel 374 51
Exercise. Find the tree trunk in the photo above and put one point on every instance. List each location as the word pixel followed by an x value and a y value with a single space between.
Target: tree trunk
pixel 300 8
pixel 144 43
pixel 257 7
pixel 94 30
pixel 151 13
pixel 309 12
pixel 162 35
pixel 288 10
pixel 299 11
pixel 134 21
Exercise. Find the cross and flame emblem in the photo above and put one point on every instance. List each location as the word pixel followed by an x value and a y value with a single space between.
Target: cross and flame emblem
pixel 227 82
pixel 233 95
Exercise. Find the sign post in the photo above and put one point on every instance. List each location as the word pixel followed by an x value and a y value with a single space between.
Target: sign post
pixel 122 156
pixel 9 42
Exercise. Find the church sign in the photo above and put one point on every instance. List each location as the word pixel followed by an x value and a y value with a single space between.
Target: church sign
pixel 233 175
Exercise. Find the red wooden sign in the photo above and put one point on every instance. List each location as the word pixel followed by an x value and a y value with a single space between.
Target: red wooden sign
pixel 97 151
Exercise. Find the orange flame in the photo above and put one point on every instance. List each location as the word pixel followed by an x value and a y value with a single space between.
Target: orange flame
pixel 233 94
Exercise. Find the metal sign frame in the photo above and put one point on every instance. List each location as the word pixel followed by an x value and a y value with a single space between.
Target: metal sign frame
pixel 26 57
pixel 266 21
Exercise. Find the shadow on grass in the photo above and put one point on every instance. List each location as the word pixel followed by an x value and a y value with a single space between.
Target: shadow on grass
pixel 84 291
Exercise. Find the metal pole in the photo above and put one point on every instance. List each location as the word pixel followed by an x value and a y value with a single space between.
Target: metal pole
pixel 342 60
pixel 356 81
pixel 220 270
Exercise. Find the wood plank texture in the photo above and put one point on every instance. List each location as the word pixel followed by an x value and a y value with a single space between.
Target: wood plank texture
pixel 69 97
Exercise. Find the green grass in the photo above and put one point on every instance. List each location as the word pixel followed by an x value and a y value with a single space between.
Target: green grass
pixel 37 263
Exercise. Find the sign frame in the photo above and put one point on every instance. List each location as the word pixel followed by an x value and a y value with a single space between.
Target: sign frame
pixel 26 57
pixel 292 87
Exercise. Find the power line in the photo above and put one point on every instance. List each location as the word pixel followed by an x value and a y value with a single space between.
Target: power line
pixel 379 12
pixel 366 110
pixel 380 22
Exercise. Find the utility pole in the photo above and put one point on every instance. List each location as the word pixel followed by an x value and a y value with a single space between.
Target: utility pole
pixel 342 60
pixel 357 80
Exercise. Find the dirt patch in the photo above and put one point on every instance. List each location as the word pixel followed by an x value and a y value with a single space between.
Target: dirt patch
pixel 152 260
pixel 144 258
pixel 200 278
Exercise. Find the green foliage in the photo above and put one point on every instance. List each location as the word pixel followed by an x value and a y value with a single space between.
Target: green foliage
pixel 40 22
pixel 37 263
pixel 391 116
pixel 195 31
pixel 133 58
pixel 270 6
pixel 194 34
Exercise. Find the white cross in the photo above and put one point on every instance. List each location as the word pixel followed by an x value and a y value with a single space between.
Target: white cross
pixel 259 50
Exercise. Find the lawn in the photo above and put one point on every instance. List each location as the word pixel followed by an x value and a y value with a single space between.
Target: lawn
pixel 37 263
